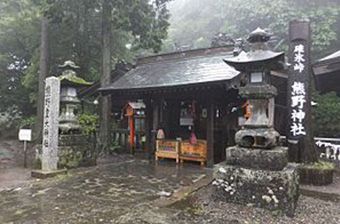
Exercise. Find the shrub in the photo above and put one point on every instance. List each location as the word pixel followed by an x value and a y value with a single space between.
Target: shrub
pixel 27 123
pixel 326 115
pixel 89 122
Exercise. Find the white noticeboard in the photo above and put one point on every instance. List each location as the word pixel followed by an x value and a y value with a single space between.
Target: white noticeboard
pixel 186 121
pixel 25 135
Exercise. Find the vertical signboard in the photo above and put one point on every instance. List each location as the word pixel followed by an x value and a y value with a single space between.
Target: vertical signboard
pixel 299 133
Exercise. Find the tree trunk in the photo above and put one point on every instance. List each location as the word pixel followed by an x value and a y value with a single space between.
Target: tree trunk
pixel 83 48
pixel 43 67
pixel 105 105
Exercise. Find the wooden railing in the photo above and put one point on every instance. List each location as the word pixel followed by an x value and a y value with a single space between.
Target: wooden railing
pixel 121 137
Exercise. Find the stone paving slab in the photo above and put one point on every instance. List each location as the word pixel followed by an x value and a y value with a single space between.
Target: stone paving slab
pixel 96 195
pixel 128 191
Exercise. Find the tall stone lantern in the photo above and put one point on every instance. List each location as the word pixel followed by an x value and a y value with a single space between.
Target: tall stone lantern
pixel 258 130
pixel 256 171
pixel 69 101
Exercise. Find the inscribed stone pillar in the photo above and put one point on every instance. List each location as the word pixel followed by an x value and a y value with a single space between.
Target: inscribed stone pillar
pixel 50 127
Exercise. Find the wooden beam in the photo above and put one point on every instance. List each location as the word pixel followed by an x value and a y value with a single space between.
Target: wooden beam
pixel 210 134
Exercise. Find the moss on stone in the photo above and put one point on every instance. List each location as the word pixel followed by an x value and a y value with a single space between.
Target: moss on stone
pixel 74 79
pixel 37 164
pixel 320 165
pixel 69 159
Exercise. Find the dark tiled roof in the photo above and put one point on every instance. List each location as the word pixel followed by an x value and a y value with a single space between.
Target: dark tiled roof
pixel 176 70
pixel 328 64
pixel 331 56
pixel 326 71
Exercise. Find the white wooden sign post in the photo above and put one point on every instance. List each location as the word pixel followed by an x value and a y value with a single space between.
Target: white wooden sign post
pixel 26 136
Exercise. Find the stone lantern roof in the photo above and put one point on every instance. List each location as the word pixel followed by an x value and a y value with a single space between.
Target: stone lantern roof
pixel 69 76
pixel 260 57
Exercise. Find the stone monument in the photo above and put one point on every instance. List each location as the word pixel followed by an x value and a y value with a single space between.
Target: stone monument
pixel 49 157
pixel 255 171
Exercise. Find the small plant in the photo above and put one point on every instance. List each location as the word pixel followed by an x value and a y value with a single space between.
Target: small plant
pixel 27 123
pixel 89 123
pixel 114 146
pixel 277 213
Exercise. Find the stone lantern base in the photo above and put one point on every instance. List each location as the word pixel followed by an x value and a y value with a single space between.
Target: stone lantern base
pixel 272 190
pixel 273 159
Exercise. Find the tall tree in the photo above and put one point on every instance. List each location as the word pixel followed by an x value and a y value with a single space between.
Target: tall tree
pixel 43 73
pixel 75 28
pixel 105 109
pixel 147 24
pixel 19 26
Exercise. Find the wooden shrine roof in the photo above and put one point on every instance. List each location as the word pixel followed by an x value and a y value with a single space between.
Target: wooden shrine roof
pixel 180 69
pixel 335 55
pixel 327 73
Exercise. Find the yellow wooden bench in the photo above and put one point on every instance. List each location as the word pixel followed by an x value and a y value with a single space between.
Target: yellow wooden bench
pixel 194 152
pixel 167 149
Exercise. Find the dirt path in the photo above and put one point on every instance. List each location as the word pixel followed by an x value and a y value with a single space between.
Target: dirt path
pixel 12 171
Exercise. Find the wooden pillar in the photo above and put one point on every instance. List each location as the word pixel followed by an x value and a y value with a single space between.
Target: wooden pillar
pixel 210 134
pixel 161 111
pixel 301 146
pixel 132 132
pixel 156 114
pixel 130 115
pixel 148 127
pixel 155 124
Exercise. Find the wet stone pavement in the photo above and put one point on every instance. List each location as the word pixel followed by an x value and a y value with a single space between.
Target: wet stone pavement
pixel 109 193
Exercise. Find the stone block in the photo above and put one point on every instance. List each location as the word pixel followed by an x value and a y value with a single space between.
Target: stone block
pixel 274 159
pixel 272 190
pixel 264 138
pixel 43 174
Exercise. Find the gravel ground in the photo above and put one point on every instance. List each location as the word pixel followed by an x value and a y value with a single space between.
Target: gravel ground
pixel 309 211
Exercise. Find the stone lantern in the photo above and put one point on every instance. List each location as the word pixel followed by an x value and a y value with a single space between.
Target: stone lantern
pixel 256 171
pixel 69 101
pixel 258 130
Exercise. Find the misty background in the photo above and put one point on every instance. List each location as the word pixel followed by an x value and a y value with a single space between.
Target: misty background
pixel 195 22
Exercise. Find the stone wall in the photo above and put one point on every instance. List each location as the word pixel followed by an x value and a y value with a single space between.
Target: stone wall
pixel 73 151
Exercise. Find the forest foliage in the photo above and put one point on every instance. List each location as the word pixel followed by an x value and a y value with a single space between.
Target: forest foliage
pixel 202 19
pixel 75 29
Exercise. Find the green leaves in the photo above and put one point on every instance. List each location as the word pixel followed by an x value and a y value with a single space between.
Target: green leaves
pixel 75 34
pixel 326 115
pixel 88 122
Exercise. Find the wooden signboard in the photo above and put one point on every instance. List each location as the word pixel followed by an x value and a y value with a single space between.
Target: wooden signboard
pixel 299 134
